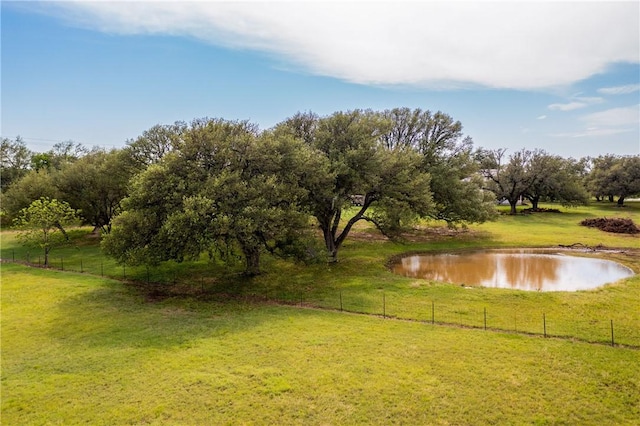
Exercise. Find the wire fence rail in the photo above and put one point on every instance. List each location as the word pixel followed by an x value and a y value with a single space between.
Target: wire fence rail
pixel 616 333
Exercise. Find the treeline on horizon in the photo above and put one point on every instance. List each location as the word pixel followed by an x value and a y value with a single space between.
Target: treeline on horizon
pixel 226 187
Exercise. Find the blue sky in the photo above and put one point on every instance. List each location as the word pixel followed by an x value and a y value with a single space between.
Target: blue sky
pixel 563 77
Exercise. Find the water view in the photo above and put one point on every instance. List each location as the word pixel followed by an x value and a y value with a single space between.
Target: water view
pixel 522 269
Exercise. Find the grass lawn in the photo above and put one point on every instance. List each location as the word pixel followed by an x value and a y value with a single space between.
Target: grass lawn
pixel 201 344
pixel 81 349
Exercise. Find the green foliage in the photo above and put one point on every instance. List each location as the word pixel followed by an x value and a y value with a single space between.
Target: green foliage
pixel 614 176
pixel 32 186
pixel 508 181
pixel 225 188
pixel 96 184
pixel 535 175
pixel 355 163
pixel 155 143
pixel 61 155
pixel 555 179
pixel 14 161
pixel 43 224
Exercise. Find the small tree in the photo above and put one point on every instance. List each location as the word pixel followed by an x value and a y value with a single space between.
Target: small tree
pixel 43 223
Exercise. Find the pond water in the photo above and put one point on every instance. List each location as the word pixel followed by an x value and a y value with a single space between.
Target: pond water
pixel 515 269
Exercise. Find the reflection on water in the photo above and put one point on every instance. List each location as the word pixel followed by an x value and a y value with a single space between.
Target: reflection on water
pixel 523 270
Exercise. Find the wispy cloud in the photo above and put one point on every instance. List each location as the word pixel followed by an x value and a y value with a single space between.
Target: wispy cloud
pixel 620 90
pixel 577 102
pixel 614 117
pixel 592 132
pixel 568 106
pixel 434 44
pixel 541 117
pixel 606 123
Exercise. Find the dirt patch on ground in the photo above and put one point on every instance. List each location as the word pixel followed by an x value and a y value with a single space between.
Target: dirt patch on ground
pixel 540 210
pixel 615 224
pixel 418 235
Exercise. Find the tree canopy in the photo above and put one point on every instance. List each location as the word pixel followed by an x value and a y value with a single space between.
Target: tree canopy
pixel 43 224
pixel 226 187
pixel 15 160
pixel 612 176
pixel 234 191
pixel 355 163
pixel 533 175
pixel 96 185
pixel 447 155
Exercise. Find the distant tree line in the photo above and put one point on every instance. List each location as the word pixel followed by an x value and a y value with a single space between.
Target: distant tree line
pixel 231 190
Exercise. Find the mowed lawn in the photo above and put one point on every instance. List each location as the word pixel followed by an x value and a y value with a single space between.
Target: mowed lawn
pixel 78 349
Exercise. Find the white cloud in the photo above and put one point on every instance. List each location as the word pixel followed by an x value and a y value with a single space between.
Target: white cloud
pixel 608 122
pixel 620 90
pixel 568 106
pixel 521 45
pixel 614 117
pixel 577 103
pixel 592 132
pixel 542 117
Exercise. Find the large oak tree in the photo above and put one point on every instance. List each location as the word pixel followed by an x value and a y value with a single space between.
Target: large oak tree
pixel 226 187
pixel 389 183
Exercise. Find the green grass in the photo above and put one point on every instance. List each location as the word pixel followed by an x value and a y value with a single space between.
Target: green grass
pixel 78 349
pixel 360 282
pixel 202 344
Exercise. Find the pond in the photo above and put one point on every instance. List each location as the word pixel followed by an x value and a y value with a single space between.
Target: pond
pixel 531 270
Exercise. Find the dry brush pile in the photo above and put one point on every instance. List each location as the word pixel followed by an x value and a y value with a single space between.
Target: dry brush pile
pixel 617 225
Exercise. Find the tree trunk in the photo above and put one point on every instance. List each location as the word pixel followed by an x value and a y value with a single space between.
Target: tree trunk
pixel 66 236
pixel 252 260
pixel 330 244
pixel 534 202
pixel 329 226
pixel 621 201
pixel 46 256
pixel 611 198
pixel 512 204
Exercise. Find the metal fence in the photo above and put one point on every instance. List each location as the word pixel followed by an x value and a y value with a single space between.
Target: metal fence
pixel 391 305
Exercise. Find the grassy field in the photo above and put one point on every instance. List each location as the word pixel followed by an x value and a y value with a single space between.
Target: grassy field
pixel 200 344
pixel 79 349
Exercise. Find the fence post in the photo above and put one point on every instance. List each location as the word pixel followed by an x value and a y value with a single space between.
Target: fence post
pixel 340 300
pixel 485 318
pixel 81 269
pixel 62 263
pixel 544 324
pixel 124 272
pixel 433 312
pixel 384 306
pixel 612 341
pixel 13 255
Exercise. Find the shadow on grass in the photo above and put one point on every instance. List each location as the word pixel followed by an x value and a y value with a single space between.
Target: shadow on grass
pixel 119 315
